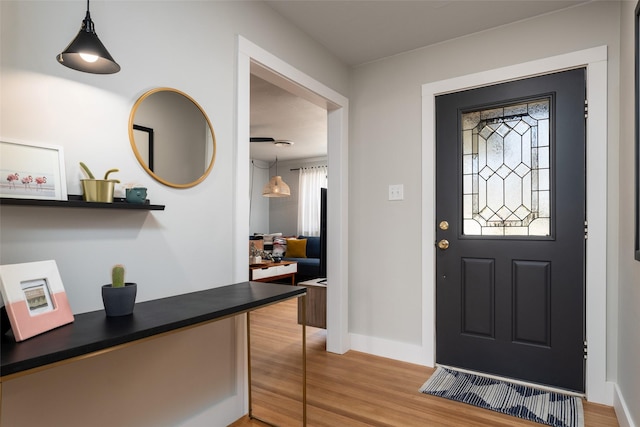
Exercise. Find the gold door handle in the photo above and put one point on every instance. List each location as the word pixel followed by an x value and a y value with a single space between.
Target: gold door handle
pixel 443 244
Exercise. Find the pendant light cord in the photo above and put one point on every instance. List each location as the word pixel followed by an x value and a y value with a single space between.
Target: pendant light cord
pixel 263 168
pixel 87 24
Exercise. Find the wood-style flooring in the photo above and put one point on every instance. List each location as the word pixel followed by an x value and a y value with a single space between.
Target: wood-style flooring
pixel 353 389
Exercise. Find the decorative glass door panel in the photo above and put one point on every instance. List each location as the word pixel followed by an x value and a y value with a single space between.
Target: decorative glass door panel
pixel 506 170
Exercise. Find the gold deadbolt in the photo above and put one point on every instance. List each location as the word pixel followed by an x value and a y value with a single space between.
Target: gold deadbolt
pixel 444 225
pixel 443 244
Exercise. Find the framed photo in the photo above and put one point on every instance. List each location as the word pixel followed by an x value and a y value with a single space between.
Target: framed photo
pixel 637 130
pixel 32 171
pixel 34 298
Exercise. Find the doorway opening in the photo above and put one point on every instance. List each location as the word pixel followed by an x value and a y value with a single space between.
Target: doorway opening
pixel 254 60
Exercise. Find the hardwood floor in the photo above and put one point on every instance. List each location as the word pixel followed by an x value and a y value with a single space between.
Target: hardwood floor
pixel 354 389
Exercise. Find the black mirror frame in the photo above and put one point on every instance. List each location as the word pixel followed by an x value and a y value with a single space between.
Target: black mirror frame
pixel 149 132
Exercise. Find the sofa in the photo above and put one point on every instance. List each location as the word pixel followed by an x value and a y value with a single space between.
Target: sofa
pixel 305 250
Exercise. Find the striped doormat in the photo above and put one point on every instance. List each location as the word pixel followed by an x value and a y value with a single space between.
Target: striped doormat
pixel 541 406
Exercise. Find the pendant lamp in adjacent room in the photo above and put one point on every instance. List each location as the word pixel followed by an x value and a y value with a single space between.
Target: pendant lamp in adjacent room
pixel 87 53
pixel 276 187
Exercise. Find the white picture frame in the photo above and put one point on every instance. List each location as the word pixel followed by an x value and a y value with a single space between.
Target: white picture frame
pixel 32 171
pixel 34 298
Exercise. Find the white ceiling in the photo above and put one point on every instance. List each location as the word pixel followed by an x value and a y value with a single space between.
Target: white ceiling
pixel 361 31
pixel 281 115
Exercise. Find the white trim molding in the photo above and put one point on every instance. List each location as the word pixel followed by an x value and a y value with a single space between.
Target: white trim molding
pixel 622 410
pixel 406 352
pixel 598 389
pixel 254 59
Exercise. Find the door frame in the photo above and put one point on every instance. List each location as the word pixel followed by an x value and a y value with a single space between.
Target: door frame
pixel 598 389
pixel 253 58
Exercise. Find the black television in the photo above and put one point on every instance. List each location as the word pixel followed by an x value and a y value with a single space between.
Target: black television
pixel 323 232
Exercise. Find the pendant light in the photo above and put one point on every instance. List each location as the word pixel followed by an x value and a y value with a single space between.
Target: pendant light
pixel 87 53
pixel 276 187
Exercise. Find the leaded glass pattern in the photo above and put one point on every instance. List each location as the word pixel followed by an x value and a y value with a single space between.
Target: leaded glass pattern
pixel 506 170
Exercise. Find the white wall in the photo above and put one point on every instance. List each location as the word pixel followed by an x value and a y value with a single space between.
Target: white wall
pixel 275 214
pixel 190 46
pixel 385 149
pixel 283 217
pixel 259 205
pixel 628 334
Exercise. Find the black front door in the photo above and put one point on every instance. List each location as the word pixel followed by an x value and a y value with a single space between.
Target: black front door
pixel 510 209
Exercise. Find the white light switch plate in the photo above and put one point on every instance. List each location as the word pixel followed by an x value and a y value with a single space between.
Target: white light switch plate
pixel 396 192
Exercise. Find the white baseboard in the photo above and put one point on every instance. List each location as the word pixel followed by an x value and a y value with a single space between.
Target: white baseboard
pixel 222 414
pixel 405 352
pixel 621 408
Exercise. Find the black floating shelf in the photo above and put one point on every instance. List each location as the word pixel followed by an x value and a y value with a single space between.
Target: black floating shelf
pixel 76 201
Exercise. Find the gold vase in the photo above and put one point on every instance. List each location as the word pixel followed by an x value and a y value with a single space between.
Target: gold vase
pixel 98 190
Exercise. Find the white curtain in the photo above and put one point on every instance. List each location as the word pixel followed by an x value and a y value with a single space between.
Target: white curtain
pixel 310 182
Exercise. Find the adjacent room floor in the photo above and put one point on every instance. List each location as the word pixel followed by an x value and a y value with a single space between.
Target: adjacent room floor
pixel 354 389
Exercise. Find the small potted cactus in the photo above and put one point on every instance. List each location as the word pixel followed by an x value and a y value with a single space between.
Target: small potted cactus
pixel 119 297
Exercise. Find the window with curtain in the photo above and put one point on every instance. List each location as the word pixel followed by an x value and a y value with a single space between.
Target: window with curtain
pixel 311 180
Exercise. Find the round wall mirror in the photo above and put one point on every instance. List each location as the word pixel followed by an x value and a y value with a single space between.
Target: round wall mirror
pixel 172 137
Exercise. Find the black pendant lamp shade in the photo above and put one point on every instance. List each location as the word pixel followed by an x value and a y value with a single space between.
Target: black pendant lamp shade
pixel 87 53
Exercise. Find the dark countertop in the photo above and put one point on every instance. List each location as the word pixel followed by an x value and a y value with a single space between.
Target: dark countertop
pixel 94 331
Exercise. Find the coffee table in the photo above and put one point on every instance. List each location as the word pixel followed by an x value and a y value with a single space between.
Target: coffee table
pixel 270 271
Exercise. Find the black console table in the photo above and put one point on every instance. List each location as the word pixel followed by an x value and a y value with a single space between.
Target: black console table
pixel 93 333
